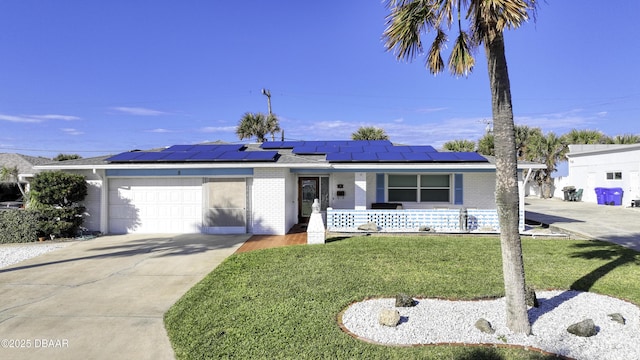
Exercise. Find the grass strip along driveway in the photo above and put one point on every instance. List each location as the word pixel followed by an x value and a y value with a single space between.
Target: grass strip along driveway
pixel 284 302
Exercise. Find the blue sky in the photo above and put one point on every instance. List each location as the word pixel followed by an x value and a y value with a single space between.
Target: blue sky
pixel 98 77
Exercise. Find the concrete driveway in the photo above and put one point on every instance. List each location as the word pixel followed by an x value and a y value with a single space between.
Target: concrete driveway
pixel 616 224
pixel 103 298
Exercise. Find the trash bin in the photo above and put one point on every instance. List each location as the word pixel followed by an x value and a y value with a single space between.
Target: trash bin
pixel 568 192
pixel 614 196
pixel 601 195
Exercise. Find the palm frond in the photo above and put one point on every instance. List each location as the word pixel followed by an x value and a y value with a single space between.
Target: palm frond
pixel 435 64
pixel 405 23
pixel 461 60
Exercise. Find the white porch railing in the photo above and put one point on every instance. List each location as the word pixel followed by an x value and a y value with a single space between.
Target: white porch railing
pixel 412 220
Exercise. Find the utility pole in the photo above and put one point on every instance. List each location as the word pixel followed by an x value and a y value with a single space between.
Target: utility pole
pixel 267 93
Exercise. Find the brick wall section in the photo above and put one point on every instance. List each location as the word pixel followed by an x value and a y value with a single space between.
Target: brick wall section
pixel 479 190
pixel 269 201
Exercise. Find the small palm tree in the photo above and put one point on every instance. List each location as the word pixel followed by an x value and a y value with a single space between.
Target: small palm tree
pixel 486 145
pixel 549 150
pixel 626 139
pixel 258 125
pixel 369 133
pixel 487 20
pixel 576 136
pixel 459 145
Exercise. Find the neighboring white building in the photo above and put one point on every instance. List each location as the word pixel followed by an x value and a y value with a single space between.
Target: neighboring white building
pixel 268 188
pixel 605 166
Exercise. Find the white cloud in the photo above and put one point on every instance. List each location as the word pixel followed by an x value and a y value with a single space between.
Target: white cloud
pixel 160 131
pixel 139 111
pixel 430 110
pixel 56 117
pixel 71 131
pixel 36 118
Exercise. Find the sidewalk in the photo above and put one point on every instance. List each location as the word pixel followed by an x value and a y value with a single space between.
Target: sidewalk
pixel 616 224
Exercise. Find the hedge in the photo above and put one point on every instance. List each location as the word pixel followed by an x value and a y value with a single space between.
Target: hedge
pixel 18 226
pixel 21 226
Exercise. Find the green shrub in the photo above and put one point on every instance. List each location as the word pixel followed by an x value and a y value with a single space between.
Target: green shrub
pixel 57 188
pixel 60 222
pixel 18 226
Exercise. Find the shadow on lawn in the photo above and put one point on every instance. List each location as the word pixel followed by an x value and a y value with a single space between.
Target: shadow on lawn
pixel 617 255
pixel 490 353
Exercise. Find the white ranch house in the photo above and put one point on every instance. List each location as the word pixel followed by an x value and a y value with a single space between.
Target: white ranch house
pixel 268 188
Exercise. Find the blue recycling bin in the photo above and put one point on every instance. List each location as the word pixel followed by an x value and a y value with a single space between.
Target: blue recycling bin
pixel 601 195
pixel 614 196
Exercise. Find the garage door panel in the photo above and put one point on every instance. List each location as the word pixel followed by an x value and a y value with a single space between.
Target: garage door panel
pixel 141 205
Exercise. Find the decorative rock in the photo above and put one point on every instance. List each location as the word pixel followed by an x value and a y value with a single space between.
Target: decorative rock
pixel 584 328
pixel 424 228
pixel 404 300
pixel 370 226
pixel 617 317
pixel 389 317
pixel 530 297
pixel 484 326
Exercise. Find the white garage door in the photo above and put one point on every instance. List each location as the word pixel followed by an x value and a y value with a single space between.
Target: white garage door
pixel 153 205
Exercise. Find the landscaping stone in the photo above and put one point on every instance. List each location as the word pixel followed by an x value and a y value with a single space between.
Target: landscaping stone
pixel 404 300
pixel 617 317
pixel 584 328
pixel 424 228
pixel 370 226
pixel 389 317
pixel 485 326
pixel 530 297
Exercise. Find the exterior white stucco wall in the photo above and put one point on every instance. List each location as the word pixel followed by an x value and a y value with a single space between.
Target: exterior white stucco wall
pixel 589 165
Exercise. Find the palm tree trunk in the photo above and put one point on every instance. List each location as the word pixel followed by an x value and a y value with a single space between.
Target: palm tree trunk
pixel 507 197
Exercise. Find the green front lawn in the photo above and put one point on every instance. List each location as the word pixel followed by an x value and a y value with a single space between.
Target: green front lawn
pixel 283 302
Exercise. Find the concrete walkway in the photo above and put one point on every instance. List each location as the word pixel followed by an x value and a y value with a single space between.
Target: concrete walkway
pixel 103 298
pixel 616 224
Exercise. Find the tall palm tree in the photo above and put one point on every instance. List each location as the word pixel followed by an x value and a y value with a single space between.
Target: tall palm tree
pixel 369 133
pixel 459 145
pixel 547 149
pixel 487 19
pixel 258 125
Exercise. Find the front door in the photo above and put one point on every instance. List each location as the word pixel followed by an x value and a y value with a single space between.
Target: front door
pixel 308 190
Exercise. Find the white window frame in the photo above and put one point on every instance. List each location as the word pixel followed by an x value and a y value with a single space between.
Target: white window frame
pixel 418 188
pixel 614 175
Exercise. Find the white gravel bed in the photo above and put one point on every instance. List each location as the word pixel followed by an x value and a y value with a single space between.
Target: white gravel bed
pixel 15 253
pixel 434 321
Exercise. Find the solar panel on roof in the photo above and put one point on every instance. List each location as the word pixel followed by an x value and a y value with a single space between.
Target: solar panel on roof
pixel 421 148
pixel 471 156
pixel 180 155
pixel 390 156
pixel 305 150
pixel 151 156
pixel 339 157
pixel 445 156
pixel 365 156
pixel 231 155
pixel 126 156
pixel 416 156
